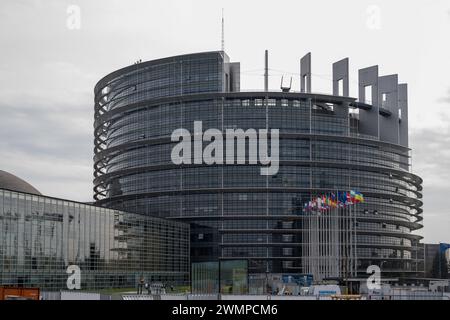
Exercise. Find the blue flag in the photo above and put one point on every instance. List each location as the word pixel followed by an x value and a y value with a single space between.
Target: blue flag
pixel 443 247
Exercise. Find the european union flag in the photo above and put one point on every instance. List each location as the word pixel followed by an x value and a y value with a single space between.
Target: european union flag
pixel 443 247
pixel 342 197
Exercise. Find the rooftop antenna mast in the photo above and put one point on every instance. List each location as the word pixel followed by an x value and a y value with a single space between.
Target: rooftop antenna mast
pixel 223 32
pixel 266 71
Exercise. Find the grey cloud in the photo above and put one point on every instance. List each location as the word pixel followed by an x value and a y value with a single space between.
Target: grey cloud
pixel 50 146
pixel 431 153
pixel 431 161
pixel 47 132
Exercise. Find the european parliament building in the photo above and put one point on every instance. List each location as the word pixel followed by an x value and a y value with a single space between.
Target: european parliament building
pixel 327 143
pixel 43 240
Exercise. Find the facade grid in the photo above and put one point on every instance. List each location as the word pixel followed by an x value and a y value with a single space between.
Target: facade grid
pixel 41 236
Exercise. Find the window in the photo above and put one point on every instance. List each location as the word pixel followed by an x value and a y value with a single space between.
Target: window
pixel 243 197
pixel 340 87
pixel 383 99
pixel 368 94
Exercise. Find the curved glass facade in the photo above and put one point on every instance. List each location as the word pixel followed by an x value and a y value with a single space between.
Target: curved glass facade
pixel 234 212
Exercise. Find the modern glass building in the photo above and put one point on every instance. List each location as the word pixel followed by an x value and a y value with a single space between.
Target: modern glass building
pixel 40 237
pixel 328 142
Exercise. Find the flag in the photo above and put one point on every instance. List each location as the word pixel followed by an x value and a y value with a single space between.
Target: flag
pixel 348 198
pixel 359 197
pixel 443 247
pixel 319 203
pixel 331 201
pixel 352 196
pixel 342 198
pixel 356 196
pixel 334 201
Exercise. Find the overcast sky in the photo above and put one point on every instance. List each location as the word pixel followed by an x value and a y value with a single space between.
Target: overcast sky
pixel 49 66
